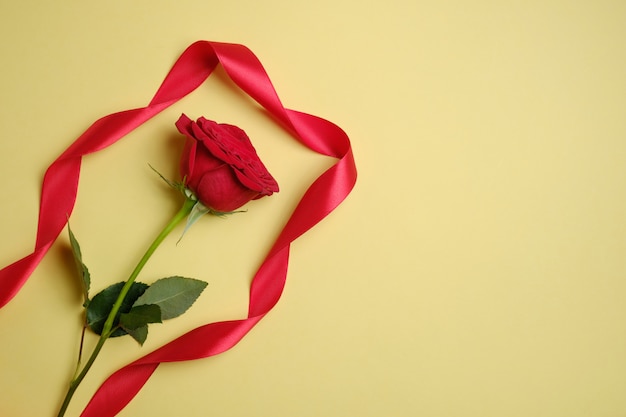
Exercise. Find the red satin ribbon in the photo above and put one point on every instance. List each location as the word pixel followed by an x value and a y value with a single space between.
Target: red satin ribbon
pixel 60 185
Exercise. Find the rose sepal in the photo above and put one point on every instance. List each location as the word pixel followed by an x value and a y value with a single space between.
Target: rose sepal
pixel 199 209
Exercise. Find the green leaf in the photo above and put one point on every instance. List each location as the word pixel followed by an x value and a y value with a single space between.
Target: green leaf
pixel 136 321
pixel 140 334
pixel 174 295
pixel 100 306
pixel 80 266
pixel 140 316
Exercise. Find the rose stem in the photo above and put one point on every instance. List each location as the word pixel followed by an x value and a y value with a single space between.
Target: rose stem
pixel 80 349
pixel 108 325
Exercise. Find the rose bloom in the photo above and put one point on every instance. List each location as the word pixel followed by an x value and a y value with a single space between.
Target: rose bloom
pixel 221 166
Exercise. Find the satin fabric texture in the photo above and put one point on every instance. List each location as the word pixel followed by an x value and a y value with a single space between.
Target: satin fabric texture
pixel 60 186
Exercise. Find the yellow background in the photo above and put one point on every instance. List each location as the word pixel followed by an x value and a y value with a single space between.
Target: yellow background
pixel 478 268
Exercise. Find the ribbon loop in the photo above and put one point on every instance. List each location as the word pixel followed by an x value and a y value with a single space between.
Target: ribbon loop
pixel 60 186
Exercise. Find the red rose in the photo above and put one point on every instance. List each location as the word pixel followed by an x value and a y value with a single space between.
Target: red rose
pixel 220 165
